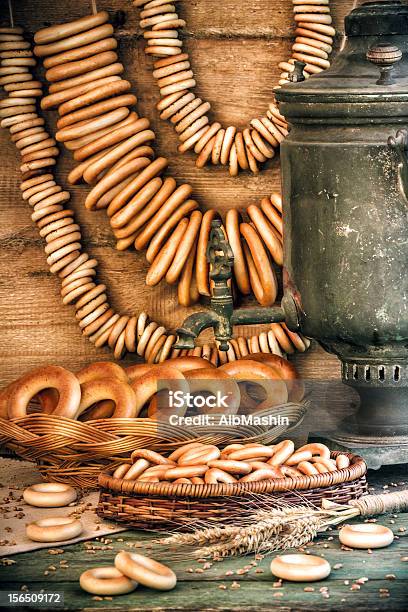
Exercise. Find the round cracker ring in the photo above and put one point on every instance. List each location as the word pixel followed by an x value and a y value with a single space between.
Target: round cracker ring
pixel 259 374
pixel 54 529
pixel 218 384
pixel 106 580
pixel 146 571
pixel 100 389
pixel 232 223
pixel 42 378
pixel 261 273
pixel 159 378
pixel 101 369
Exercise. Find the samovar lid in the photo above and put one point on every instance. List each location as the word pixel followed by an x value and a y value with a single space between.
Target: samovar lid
pixel 372 66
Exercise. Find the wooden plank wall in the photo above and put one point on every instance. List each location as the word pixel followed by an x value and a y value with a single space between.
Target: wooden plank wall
pixel 235 48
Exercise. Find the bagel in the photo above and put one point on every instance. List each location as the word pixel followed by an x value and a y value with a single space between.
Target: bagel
pixel 261 374
pixel 42 378
pixel 213 381
pixel 101 369
pixel 261 274
pixel 158 378
pixel 232 221
pixel 106 581
pixel 54 529
pixel 145 571
pixel 99 389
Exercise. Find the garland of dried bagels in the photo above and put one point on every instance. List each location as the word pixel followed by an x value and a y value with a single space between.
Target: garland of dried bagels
pixel 112 145
pixel 240 150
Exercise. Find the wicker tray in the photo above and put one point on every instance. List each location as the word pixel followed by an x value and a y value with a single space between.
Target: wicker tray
pixel 75 452
pixel 162 505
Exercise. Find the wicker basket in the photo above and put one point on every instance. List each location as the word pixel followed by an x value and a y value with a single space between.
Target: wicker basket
pixel 75 452
pixel 162 505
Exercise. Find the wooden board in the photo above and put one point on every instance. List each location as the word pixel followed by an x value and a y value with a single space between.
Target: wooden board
pixel 235 49
pixel 216 588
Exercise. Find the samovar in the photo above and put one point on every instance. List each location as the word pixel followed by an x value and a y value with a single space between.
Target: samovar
pixel 345 208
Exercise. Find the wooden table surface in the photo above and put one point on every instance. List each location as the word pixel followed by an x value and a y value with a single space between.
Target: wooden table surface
pixel 223 586
pixel 235 47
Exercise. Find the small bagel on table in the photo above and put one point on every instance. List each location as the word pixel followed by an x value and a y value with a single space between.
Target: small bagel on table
pixel 146 571
pixel 54 529
pixel 49 495
pixel 107 580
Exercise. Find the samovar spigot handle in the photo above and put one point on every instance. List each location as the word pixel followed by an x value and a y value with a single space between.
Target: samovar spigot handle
pixel 385 56
pixel 297 75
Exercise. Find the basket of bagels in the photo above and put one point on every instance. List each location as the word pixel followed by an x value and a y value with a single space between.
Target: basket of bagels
pixel 77 425
pixel 205 482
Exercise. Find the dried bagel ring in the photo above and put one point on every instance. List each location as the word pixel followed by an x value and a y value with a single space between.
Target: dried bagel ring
pixel 200 455
pixel 202 266
pixel 49 495
pixel 184 247
pixel 267 233
pixel 260 374
pixel 60 31
pixel 146 571
pixel 300 568
pixel 74 41
pixel 42 378
pixel 366 535
pixel 187 291
pixel 249 452
pixel 164 258
pixel 262 267
pixel 97 390
pixel 316 448
pixel 160 377
pixel 151 456
pixel 262 474
pixel 106 581
pixel 101 369
pixel 215 475
pixel 231 466
pixel 54 529
pixel 281 453
pixel 214 381
pixel 233 234
pixel 158 228
pixel 188 471
pixel 176 454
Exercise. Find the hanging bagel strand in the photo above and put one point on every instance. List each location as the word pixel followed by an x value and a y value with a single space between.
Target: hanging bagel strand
pixel 228 146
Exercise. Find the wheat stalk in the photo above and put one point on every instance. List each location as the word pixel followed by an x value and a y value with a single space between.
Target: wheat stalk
pixel 270 529
pixel 263 531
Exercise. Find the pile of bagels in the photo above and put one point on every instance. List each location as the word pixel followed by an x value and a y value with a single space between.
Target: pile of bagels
pixel 105 389
pixel 200 464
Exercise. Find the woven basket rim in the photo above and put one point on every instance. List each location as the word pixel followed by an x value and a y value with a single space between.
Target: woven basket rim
pixel 42 430
pixel 356 470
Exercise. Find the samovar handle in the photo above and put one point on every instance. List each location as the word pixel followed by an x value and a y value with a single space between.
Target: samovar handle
pixel 399 143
